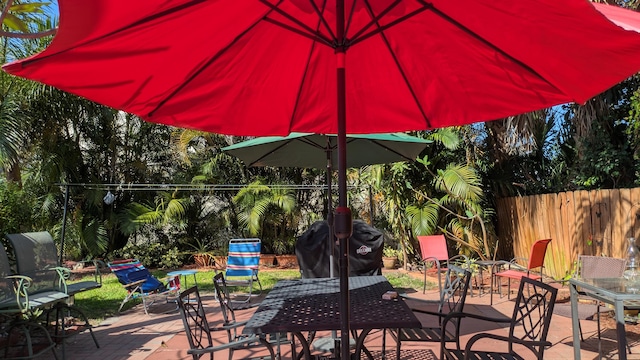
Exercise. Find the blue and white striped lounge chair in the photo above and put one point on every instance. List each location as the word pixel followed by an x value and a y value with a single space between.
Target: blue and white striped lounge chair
pixel 139 283
pixel 242 264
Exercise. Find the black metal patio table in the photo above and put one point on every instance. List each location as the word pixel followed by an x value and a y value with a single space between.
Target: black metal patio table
pixel 297 306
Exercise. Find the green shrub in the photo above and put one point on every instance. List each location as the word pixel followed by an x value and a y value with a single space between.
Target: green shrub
pixel 154 255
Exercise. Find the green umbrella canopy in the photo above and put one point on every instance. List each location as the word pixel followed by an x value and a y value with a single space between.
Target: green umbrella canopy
pixel 311 150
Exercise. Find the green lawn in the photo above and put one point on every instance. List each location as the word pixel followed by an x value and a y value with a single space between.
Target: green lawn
pixel 102 303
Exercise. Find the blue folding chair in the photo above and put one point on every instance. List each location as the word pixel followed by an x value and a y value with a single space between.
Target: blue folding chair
pixel 139 282
pixel 242 264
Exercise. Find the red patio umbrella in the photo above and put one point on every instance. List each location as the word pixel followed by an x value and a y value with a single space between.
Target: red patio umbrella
pixel 271 67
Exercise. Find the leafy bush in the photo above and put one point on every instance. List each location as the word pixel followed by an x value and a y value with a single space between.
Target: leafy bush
pixel 15 209
pixel 154 255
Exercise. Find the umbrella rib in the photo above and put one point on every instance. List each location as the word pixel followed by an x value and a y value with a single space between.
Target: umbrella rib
pixel 379 29
pixel 27 62
pixel 314 35
pixel 270 152
pixel 390 149
pixel 400 69
pixel 375 21
pixel 202 68
pixel 486 42
pixel 302 81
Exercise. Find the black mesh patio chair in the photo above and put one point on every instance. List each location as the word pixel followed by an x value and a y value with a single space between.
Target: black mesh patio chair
pixel 37 252
pixel 452 299
pixel 20 336
pixel 36 258
pixel 528 326
pixel 199 331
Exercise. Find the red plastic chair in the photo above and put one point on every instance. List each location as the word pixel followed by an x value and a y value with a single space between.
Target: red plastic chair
pixel 516 271
pixel 434 248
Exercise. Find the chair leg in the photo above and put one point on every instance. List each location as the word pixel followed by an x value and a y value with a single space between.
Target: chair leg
pixel 398 343
pixel 424 284
pixel 599 336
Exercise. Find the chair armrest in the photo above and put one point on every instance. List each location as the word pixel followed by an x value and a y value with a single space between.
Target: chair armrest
pixel 514 263
pixel 98 264
pixel 134 285
pixel 529 344
pixel 229 326
pixel 434 313
pixel 474 316
pixel 20 285
pixel 431 258
pixel 63 275
pixel 459 259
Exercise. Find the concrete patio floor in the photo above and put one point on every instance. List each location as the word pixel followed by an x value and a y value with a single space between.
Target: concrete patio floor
pixel 160 335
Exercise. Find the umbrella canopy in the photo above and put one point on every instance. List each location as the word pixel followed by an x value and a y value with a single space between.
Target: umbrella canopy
pixel 264 67
pixel 267 67
pixel 626 19
pixel 312 150
pixel 318 151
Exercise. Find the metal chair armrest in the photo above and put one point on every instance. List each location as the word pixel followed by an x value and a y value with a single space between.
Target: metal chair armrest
pixel 20 285
pixel 527 343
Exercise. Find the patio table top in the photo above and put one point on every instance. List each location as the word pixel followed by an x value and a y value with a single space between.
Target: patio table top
pixel 313 304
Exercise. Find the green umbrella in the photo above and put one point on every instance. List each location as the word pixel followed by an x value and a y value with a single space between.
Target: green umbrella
pixel 308 150
pixel 313 150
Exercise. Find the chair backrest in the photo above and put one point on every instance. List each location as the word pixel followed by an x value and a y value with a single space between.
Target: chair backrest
pixel 243 258
pixel 222 293
pixel 36 257
pixel 533 311
pixel 454 292
pixel 194 319
pixel 596 267
pixel 434 246
pixel 131 270
pixel 538 252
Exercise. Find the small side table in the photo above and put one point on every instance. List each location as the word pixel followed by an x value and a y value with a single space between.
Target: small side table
pixel 487 264
pixel 185 276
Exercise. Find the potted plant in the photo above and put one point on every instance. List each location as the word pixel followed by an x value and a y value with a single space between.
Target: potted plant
pixel 389 257
pixel 202 255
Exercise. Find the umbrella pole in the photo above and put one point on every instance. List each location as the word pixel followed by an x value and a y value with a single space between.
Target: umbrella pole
pixel 343 213
pixel 330 209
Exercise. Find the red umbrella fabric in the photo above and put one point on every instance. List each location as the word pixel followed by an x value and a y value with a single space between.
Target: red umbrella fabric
pixel 268 67
pixel 626 19
pixel 271 67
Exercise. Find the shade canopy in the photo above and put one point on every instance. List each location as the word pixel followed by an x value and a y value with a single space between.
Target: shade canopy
pixel 264 67
pixel 311 150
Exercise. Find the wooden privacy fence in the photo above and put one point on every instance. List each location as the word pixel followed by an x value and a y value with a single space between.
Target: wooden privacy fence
pixel 596 222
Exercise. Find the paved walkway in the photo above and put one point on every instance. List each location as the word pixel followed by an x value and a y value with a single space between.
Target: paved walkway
pixel 160 336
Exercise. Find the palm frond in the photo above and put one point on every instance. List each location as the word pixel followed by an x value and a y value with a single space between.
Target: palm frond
pixel 423 218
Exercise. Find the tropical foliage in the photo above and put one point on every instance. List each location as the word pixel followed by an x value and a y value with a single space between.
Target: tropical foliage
pixel 49 138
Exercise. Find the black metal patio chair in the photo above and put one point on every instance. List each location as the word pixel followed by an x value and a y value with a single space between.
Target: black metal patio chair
pixel 452 299
pixel 199 332
pixel 528 326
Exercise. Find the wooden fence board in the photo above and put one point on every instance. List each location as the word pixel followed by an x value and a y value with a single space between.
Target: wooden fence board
pixel 582 222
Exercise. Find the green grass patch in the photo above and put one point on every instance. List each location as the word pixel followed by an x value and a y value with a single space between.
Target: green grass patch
pixel 99 304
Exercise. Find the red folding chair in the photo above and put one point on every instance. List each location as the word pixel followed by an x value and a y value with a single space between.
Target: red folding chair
pixel 517 271
pixel 433 248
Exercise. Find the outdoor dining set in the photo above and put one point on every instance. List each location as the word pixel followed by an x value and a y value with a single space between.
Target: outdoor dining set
pixel 298 313
pixel 295 311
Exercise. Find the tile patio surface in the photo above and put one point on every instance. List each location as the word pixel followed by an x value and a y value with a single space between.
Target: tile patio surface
pixel 160 335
